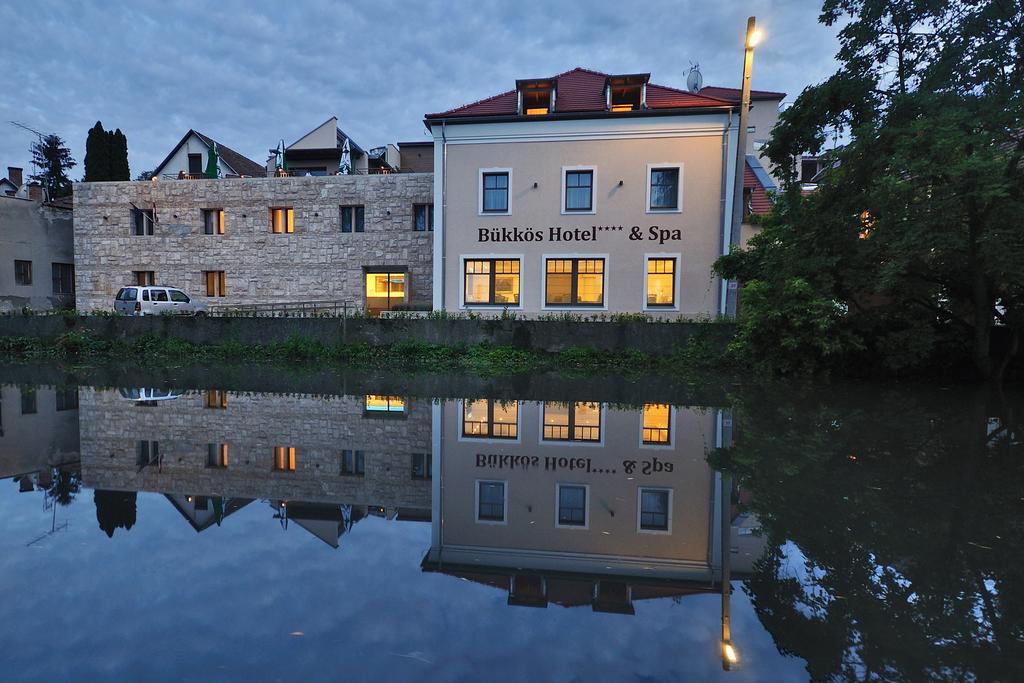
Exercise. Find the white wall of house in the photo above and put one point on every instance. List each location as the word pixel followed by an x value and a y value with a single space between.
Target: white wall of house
pixel 179 162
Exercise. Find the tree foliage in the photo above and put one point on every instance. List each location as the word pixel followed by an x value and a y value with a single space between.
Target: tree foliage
pixel 914 231
pixel 106 155
pixel 54 160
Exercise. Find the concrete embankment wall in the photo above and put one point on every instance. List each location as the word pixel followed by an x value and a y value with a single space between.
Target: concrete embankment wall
pixel 539 335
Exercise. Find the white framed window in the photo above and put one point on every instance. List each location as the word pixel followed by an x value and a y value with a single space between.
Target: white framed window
pixel 665 187
pixel 490 420
pixel 574 281
pixel 490 503
pixel 653 510
pixel 578 195
pixel 494 189
pixel 491 281
pixel 657 426
pixel 661 282
pixel 572 506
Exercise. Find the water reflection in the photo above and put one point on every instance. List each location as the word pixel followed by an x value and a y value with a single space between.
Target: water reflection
pixel 798 535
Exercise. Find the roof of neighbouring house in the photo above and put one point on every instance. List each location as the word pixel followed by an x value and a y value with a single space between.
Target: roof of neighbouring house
pixel 579 91
pixel 756 178
pixel 734 94
pixel 240 164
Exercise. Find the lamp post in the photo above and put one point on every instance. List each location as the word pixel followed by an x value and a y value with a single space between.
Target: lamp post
pixel 753 38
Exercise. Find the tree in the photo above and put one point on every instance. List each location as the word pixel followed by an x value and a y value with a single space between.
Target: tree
pixel 54 161
pixel 912 240
pixel 106 155
pixel 115 510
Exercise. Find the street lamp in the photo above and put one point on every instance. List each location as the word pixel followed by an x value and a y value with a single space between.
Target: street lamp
pixel 754 37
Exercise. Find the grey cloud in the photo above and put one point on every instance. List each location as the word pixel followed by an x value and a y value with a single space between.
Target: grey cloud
pixel 249 75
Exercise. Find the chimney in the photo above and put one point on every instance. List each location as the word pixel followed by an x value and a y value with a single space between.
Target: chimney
pixel 14 175
pixel 35 192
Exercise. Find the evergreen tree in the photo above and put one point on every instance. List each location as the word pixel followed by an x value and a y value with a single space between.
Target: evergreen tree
pixel 54 160
pixel 119 169
pixel 96 162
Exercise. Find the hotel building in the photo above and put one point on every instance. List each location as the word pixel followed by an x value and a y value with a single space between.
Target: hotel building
pixel 585 193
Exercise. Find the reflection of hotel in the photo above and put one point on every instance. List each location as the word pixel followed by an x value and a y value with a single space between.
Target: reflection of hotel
pixel 322 462
pixel 580 503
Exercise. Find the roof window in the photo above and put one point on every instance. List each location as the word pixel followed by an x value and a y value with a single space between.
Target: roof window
pixel 626 93
pixel 536 97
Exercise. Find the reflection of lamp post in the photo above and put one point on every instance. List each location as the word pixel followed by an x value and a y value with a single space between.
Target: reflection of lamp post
pixel 753 38
pixel 728 651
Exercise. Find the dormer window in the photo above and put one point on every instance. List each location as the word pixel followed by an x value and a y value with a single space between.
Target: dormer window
pixel 626 93
pixel 536 98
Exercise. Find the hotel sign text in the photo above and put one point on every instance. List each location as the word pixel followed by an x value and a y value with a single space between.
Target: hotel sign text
pixel 653 233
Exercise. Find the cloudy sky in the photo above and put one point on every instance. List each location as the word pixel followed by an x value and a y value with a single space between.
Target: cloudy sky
pixel 250 73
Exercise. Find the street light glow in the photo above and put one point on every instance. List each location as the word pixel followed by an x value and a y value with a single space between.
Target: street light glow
pixel 754 38
pixel 729 652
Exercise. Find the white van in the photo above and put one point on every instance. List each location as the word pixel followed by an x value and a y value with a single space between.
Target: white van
pixel 135 300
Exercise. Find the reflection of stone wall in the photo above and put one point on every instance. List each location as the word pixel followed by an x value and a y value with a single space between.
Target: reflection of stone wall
pixel 252 425
pixel 317 262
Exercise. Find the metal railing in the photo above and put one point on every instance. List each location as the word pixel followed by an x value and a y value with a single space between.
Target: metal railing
pixel 288 309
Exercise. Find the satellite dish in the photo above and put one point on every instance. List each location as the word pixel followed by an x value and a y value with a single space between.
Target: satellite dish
pixel 694 79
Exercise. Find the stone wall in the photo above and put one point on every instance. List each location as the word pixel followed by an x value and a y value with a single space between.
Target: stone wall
pixel 316 262
pixel 39 233
pixel 319 427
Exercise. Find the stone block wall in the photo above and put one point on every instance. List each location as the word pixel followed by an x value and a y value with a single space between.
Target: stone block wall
pixel 319 427
pixel 316 263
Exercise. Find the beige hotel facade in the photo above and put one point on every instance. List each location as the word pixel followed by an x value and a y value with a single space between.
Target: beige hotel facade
pixel 584 193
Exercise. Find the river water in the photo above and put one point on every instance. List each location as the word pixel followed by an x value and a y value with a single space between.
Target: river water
pixel 231 526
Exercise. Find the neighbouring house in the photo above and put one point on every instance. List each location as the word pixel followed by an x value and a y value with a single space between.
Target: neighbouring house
pixel 362 241
pixel 416 157
pixel 764 114
pixel 189 158
pixel 38 432
pixel 10 185
pixel 586 193
pixel 759 189
pixel 37 244
pixel 319 152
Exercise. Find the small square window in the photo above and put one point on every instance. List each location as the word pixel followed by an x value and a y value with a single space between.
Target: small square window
pixel 284 458
pixel 353 463
pixel 654 509
pixel 495 192
pixel 579 190
pixel 353 218
pixel 490 501
pixel 22 272
pixel 572 505
pixel 423 217
pixel 664 189
pixel 217 456
pixel 143 221
pixel 213 221
pixel 144 278
pixel 216 283
pixel 282 220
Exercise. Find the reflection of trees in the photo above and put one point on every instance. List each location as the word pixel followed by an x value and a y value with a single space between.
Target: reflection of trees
pixel 115 509
pixel 903 516
pixel 65 484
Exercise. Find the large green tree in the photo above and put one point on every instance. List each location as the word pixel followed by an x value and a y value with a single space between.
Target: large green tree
pixel 53 159
pixel 911 248
pixel 106 155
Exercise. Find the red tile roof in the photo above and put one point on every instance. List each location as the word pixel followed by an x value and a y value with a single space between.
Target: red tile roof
pixel 579 91
pixel 733 94
pixel 760 202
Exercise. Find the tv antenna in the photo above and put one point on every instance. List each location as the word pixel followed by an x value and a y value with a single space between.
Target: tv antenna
pixel 35 169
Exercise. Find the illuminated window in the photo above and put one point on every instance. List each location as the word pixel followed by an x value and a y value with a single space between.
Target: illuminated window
pixel 386 289
pixel 572 505
pixel 422 217
pixel 385 404
pixel 421 466
pixel 572 422
pixel 495 192
pixel 490 419
pixel 537 97
pixel 216 399
pixel 661 282
pixel 353 463
pixel 282 220
pixel 490 505
pixel 22 272
pixel 216 283
pixel 213 221
pixel 284 458
pixel 574 282
pixel 492 282
pixel 579 190
pixel 655 508
pixel 663 189
pixel 657 424
pixel 143 221
pixel 217 456
pixel 144 278
pixel 626 97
